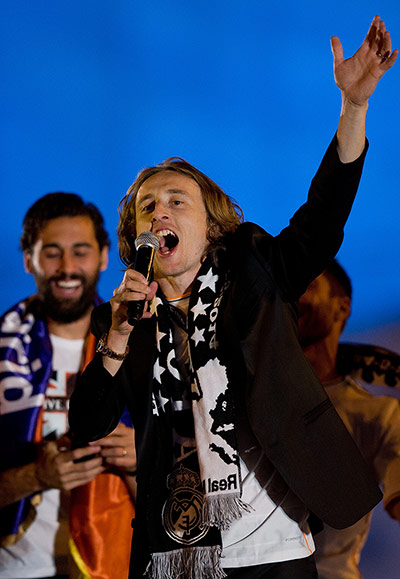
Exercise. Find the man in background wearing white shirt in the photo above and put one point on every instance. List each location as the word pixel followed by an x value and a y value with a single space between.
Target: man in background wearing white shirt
pixel 44 343
pixel 374 422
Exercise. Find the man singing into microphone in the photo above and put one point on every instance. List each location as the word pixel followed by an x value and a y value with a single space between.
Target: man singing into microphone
pixel 237 443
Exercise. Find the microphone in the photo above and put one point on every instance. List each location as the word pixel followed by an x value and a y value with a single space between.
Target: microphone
pixel 146 245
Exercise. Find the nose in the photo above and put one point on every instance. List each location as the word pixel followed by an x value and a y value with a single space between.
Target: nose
pixel 160 212
pixel 67 263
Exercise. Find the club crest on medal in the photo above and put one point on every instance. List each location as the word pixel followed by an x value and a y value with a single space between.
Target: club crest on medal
pixel 182 511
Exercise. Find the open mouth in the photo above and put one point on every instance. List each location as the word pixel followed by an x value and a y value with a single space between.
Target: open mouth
pixel 168 241
pixel 68 285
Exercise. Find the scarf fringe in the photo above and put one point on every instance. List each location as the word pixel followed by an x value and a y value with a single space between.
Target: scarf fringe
pixel 190 563
pixel 221 510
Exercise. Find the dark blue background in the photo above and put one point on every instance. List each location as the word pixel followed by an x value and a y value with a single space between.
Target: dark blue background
pixel 94 90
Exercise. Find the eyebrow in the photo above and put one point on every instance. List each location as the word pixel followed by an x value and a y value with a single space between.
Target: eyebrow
pixel 148 196
pixel 75 246
pixel 179 191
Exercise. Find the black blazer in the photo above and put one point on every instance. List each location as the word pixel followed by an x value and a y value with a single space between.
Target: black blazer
pixel 287 408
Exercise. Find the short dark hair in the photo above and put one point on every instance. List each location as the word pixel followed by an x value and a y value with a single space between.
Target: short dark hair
pixel 60 204
pixel 339 281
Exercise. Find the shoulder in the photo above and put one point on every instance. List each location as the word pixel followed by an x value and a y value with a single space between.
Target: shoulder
pixel 249 238
pixel 351 394
pixel 11 320
pixel 249 230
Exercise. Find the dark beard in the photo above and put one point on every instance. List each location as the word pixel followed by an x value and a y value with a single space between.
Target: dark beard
pixel 67 310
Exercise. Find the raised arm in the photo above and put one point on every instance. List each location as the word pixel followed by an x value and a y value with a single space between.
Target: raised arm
pixel 357 78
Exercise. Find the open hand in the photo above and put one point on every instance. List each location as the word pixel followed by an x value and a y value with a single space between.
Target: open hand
pixel 358 76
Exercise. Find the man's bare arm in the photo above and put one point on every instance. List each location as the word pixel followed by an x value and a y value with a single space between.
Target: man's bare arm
pixel 357 78
pixel 53 468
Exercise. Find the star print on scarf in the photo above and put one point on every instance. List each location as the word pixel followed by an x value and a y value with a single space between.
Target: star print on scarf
pixel 211 483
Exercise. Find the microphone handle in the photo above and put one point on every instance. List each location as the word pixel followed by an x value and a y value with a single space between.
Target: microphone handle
pixel 143 264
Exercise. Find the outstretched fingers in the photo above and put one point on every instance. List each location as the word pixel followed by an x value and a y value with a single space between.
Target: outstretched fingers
pixel 373 31
pixel 392 59
pixel 337 50
pixel 379 42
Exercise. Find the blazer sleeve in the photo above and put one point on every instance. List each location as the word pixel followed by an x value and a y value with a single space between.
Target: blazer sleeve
pixel 99 399
pixel 315 232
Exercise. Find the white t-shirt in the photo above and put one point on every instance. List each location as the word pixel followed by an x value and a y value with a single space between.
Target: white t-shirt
pixel 43 549
pixel 267 534
pixel 374 423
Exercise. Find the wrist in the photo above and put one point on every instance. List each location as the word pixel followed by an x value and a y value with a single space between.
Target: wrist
pixel 40 476
pixel 45 465
pixel 113 345
pixel 350 106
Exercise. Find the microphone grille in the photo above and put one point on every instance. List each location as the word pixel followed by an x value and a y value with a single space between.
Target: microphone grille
pixel 149 239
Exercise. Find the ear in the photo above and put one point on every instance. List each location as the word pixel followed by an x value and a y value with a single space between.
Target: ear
pixel 344 308
pixel 28 262
pixel 104 258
